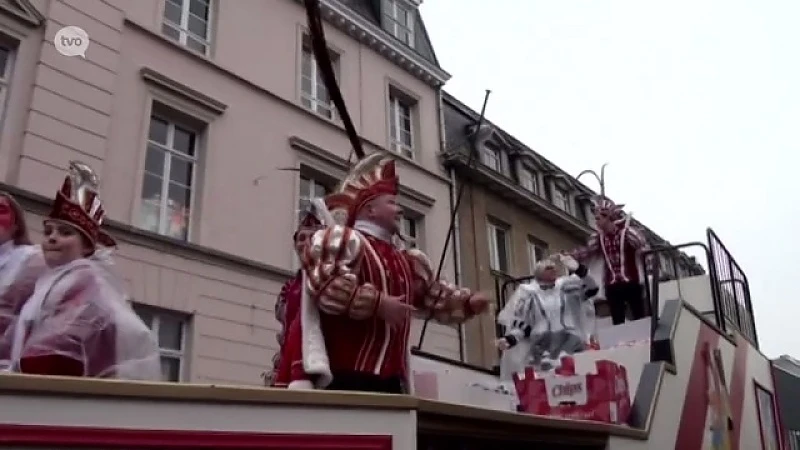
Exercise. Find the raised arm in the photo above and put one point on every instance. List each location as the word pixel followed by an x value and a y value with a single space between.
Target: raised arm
pixel 449 303
pixel 591 249
pixel 331 263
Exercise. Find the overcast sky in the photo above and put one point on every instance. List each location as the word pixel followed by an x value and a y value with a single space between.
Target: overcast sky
pixel 695 105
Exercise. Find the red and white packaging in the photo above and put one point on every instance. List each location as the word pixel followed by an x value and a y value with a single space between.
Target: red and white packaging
pixel 603 396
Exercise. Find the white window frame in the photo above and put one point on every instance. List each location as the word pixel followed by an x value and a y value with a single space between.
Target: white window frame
pixel 194 160
pixel 494 253
pixel 392 10
pixel 406 223
pixel 183 27
pixel 309 196
pixel 533 245
pixel 184 320
pixel 396 104
pixel 794 439
pixel 561 199
pixel 527 179
pixel 5 78
pixel 313 183
pixel 492 158
pixel 323 108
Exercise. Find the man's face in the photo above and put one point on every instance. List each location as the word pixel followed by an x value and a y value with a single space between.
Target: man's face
pixel 385 212
pixel 8 220
pixel 548 276
pixel 603 220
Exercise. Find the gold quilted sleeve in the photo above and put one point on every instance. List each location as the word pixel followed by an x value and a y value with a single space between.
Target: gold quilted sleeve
pixel 448 303
pixel 332 262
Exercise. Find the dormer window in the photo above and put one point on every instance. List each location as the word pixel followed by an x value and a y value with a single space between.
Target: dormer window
pixel 527 179
pixel 494 158
pixel 398 19
pixel 561 199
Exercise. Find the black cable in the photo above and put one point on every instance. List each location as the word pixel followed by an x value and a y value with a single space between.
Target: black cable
pixel 454 212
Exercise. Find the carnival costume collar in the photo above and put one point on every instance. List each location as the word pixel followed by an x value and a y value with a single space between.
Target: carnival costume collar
pixel 374 230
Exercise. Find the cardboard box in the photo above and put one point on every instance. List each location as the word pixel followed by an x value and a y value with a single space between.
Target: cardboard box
pixel 603 396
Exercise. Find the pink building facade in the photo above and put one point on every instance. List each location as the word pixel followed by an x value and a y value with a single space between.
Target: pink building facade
pixel 209 127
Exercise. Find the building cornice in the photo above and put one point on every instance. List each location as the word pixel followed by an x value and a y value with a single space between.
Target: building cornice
pixel 378 39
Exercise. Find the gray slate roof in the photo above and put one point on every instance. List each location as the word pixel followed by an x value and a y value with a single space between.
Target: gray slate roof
pixel 371 10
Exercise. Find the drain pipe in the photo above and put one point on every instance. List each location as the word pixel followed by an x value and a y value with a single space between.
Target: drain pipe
pixel 453 201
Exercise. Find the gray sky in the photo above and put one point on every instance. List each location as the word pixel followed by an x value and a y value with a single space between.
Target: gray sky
pixel 695 105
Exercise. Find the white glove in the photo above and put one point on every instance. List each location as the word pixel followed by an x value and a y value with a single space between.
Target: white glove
pixel 569 262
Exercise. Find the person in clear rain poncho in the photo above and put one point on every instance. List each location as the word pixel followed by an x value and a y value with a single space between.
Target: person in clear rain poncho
pixel 21 264
pixel 78 321
pixel 548 317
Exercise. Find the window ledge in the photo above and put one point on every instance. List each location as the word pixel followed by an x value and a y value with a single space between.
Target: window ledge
pixel 184 92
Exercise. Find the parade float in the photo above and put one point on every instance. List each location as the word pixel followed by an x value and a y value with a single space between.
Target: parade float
pixel 693 378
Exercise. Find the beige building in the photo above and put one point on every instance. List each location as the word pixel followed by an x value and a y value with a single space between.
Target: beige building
pixel 209 127
pixel 517 208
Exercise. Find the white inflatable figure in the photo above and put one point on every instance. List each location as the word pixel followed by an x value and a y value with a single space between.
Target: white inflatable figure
pixel 548 317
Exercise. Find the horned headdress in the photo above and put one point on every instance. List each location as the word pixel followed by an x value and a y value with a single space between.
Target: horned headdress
pixel 78 204
pixel 601 204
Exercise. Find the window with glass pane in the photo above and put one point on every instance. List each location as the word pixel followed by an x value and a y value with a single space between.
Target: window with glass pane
pixel 313 92
pixel 188 22
pixel 409 229
pixel 498 247
pixel 169 329
pixel 399 20
pixel 6 58
pixel 170 160
pixel 537 251
pixel 309 190
pixel 526 179
pixel 492 158
pixel 400 126
pixel 561 199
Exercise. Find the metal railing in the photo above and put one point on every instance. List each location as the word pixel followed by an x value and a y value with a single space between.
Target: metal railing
pixel 735 307
pixel 651 293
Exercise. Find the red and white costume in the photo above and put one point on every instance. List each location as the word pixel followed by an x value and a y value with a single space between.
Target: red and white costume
pixel 349 267
pixel 288 361
pixel 21 264
pixel 78 321
pixel 614 259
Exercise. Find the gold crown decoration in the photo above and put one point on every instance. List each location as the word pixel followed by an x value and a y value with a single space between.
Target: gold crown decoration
pixel 78 203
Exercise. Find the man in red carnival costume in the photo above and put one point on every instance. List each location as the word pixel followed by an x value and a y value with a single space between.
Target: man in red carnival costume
pixel 361 290
pixel 77 322
pixel 287 311
pixel 614 251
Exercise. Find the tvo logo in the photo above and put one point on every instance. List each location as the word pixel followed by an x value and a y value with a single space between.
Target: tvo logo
pixel 72 41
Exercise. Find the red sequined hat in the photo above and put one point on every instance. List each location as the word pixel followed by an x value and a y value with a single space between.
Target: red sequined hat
pixel 372 177
pixel 78 204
